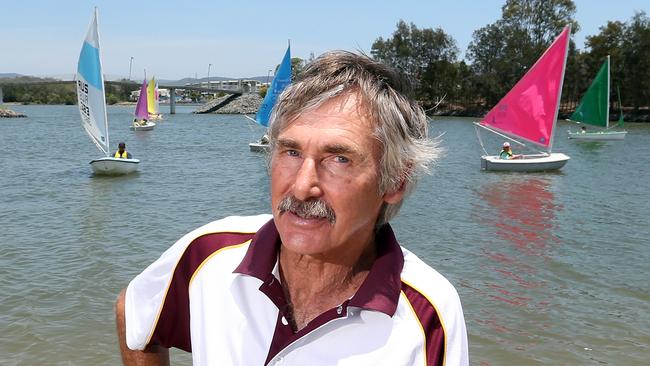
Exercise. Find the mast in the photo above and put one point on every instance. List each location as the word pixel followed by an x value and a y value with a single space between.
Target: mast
pixel 101 79
pixel 559 94
pixel 607 114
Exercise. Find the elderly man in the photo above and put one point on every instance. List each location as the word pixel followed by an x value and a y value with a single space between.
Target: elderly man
pixel 323 280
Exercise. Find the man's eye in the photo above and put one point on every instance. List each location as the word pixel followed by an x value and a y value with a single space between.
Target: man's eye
pixel 292 153
pixel 342 159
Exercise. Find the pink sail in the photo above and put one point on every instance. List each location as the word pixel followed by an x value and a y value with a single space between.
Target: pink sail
pixel 529 110
pixel 141 111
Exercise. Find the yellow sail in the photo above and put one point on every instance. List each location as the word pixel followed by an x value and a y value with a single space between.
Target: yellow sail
pixel 153 106
pixel 151 97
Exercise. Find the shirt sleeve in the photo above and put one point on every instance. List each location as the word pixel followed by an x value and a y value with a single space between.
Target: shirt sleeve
pixel 457 348
pixel 148 297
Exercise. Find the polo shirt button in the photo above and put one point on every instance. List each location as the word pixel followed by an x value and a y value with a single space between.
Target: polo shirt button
pixel 339 310
pixel 284 321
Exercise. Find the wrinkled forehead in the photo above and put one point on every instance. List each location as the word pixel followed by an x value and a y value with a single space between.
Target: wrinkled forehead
pixel 336 101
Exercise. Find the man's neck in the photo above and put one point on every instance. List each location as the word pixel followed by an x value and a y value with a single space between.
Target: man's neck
pixel 313 286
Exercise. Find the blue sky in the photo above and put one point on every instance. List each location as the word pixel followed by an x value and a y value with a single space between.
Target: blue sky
pixel 175 39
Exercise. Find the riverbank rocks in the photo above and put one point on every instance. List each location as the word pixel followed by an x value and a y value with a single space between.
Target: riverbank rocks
pixel 244 104
pixel 8 113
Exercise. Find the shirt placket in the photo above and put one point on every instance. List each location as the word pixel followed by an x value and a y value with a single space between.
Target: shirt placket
pixel 294 340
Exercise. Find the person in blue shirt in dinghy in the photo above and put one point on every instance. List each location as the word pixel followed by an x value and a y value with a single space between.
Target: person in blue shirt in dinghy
pixel 507 154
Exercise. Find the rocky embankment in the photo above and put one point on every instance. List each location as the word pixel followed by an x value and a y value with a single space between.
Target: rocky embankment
pixel 629 114
pixel 244 104
pixel 8 113
pixel 250 103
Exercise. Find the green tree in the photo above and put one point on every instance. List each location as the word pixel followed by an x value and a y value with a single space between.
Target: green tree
pixel 297 64
pixel 636 61
pixel 263 90
pixel 426 55
pixel 501 53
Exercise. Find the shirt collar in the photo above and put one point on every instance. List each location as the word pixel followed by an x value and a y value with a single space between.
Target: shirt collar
pixel 380 290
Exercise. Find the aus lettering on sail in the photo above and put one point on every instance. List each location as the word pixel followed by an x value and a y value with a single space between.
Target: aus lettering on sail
pixel 82 93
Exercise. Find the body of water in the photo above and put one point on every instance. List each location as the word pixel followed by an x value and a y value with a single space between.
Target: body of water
pixel 552 268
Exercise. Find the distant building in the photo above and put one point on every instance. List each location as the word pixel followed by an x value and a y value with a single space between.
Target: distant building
pixel 163 95
pixel 246 86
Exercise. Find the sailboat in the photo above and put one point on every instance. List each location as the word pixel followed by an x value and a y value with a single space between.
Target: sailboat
pixel 594 109
pixel 141 121
pixel 92 104
pixel 280 81
pixel 528 112
pixel 153 100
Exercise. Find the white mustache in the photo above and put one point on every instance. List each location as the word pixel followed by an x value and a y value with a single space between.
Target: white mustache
pixel 312 209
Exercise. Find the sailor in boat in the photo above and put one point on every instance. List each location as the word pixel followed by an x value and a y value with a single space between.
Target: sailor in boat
pixel 265 139
pixel 121 152
pixel 506 152
pixel 323 279
pixel 583 129
pixel 139 122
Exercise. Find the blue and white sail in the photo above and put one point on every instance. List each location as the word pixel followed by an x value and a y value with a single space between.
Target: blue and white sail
pixel 280 81
pixel 90 89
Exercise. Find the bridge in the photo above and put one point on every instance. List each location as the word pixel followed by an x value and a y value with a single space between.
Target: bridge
pixel 172 88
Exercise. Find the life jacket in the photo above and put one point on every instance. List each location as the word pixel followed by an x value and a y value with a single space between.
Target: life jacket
pixel 505 155
pixel 124 155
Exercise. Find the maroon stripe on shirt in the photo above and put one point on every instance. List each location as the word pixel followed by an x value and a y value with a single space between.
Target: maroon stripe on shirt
pixel 433 332
pixel 173 327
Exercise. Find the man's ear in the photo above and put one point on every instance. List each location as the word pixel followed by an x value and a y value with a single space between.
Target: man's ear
pixel 396 195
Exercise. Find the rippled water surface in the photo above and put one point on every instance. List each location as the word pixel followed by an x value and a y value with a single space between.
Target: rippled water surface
pixel 551 268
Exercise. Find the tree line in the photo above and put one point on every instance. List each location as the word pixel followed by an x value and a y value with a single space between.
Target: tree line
pixel 497 57
pixel 500 54
pixel 21 92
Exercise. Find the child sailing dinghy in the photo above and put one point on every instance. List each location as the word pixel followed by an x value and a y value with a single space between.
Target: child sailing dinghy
pixel 594 109
pixel 528 112
pixel 92 105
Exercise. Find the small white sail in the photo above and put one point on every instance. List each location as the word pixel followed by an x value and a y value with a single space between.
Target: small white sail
pixel 90 89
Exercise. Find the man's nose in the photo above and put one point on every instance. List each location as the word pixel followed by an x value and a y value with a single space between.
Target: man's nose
pixel 307 183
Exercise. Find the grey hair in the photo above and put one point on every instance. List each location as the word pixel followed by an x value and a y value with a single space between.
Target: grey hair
pixel 400 124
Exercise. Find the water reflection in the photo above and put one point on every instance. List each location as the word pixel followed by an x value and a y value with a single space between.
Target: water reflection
pixel 101 206
pixel 522 212
pixel 589 146
pixel 518 213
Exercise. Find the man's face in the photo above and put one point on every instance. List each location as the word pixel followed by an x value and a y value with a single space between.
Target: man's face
pixel 328 154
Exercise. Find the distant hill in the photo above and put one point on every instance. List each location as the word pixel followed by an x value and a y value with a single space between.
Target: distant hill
pixel 9 75
pixel 180 82
pixel 22 79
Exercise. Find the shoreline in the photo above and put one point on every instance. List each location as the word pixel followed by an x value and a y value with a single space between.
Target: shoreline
pixel 639 116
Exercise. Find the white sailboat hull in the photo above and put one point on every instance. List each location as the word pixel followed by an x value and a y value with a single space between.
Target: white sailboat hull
pixel 599 136
pixel 258 146
pixel 114 166
pixel 146 127
pixel 528 163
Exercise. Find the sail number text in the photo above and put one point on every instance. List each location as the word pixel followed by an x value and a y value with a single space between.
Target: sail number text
pixel 82 89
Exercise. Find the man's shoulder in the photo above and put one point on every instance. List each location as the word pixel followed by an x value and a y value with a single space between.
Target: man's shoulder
pixel 201 243
pixel 426 281
pixel 229 225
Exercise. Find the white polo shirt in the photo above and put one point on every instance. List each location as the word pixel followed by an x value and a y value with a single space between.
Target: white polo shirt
pixel 216 293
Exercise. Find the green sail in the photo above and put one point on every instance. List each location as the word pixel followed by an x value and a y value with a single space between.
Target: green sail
pixel 593 108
